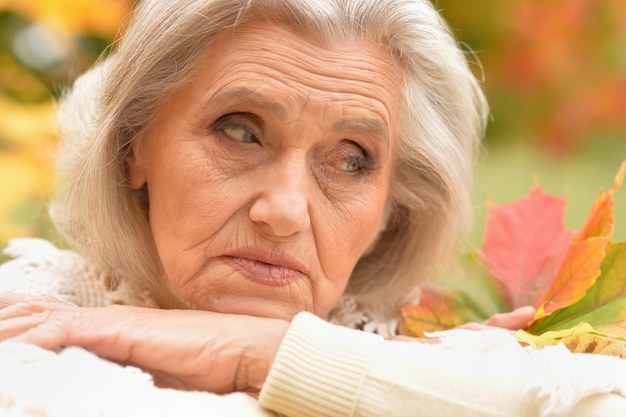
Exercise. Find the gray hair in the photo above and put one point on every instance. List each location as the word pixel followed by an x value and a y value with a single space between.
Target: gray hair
pixel 441 123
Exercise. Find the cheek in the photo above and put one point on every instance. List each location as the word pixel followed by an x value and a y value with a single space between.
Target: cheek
pixel 353 228
pixel 190 185
pixel 366 225
pixel 191 199
pixel 346 236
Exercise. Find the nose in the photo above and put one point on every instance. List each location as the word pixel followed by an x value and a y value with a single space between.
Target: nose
pixel 281 208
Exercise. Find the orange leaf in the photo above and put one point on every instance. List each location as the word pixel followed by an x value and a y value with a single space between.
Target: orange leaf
pixel 604 305
pixel 579 272
pixel 438 309
pixel 600 221
pixel 581 267
pixel 525 244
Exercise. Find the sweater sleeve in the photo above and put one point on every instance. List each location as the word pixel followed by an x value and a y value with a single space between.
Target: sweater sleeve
pixel 322 370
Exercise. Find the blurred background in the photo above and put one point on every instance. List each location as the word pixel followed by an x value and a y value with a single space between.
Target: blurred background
pixel 554 72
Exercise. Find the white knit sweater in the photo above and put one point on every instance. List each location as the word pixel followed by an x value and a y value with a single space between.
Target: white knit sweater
pixel 321 369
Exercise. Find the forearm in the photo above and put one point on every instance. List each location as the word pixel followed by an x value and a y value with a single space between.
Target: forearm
pixel 326 370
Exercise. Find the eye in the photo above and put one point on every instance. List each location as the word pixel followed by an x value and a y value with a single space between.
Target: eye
pixel 240 133
pixel 241 127
pixel 352 164
pixel 351 159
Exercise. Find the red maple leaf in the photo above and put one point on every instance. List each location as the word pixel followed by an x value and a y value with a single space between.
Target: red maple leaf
pixel 525 244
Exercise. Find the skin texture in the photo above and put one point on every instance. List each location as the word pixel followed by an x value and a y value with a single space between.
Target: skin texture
pixel 184 349
pixel 268 176
pixel 273 160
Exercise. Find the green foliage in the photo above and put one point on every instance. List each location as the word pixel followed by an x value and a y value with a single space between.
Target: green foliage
pixel 575 280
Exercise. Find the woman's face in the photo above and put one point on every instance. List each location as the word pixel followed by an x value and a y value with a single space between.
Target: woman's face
pixel 268 173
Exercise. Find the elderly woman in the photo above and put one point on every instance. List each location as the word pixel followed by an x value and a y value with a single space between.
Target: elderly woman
pixel 250 168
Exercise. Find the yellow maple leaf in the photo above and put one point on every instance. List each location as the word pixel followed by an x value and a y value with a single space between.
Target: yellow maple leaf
pixel 582 338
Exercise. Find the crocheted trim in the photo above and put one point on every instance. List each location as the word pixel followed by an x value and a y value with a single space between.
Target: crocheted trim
pixel 41 268
pixel 348 313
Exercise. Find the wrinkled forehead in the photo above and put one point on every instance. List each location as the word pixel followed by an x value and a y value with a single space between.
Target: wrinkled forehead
pixel 332 38
pixel 264 52
pixel 335 34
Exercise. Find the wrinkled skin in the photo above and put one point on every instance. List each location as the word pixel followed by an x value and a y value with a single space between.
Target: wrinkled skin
pixel 275 158
pixel 182 349
pixel 268 176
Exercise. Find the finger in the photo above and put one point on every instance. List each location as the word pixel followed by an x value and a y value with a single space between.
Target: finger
pixel 25 313
pixel 410 339
pixel 8 299
pixel 30 303
pixel 18 324
pixel 163 379
pixel 46 335
pixel 44 321
pixel 514 320
pixel 477 326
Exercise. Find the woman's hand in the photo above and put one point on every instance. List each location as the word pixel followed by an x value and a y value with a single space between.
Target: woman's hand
pixel 182 349
pixel 513 320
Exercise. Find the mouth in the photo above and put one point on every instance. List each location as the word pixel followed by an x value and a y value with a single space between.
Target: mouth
pixel 264 268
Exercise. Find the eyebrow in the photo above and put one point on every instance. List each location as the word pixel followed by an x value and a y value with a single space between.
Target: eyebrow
pixel 374 127
pixel 246 94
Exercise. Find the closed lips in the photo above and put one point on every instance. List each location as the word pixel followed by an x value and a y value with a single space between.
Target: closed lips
pixel 266 269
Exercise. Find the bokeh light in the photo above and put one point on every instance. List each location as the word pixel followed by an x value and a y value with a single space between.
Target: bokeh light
pixel 554 72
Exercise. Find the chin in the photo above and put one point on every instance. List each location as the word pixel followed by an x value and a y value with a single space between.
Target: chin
pixel 274 309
